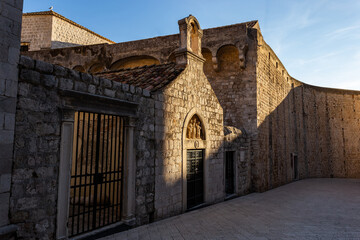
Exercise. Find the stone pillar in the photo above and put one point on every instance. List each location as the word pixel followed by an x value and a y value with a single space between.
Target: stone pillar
pixel 128 215
pixel 10 29
pixel 66 146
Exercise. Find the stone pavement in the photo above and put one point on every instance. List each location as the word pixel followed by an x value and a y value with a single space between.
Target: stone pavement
pixel 307 209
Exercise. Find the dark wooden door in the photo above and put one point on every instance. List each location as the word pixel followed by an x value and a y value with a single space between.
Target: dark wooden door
pixel 229 173
pixel 195 178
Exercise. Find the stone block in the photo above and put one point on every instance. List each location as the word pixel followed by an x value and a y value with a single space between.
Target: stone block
pixel 6 25
pixel 9 121
pixel 2 120
pixel 80 86
pixel 14 54
pixel 86 77
pixel 2 87
pixel 4 208
pixel 117 85
pixel 4 51
pixel 6 159
pixel 66 84
pixel 44 67
pixel 27 203
pixel 105 83
pixel 10 10
pixel 7 136
pixel 49 80
pixel 23 89
pixel 11 88
pixel 92 89
pixel 60 71
pixel 74 75
pixel 132 89
pixel 30 76
pixel 27 62
pixel 125 87
pixel 95 80
pixel 5 183
pixel 146 93
pixel 7 104
pixel 109 92
pixel 9 71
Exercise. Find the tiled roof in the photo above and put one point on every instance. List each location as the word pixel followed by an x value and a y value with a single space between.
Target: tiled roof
pixel 52 13
pixel 152 77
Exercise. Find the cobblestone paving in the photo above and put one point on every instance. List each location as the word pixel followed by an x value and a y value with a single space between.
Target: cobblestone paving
pixel 307 209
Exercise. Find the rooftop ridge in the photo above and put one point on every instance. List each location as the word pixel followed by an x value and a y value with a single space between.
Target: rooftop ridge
pixel 52 13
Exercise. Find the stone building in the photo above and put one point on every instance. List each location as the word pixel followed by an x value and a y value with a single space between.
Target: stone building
pixel 50 30
pixel 109 135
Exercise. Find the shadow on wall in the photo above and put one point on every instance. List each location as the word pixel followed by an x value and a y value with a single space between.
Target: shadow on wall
pixel 312 133
pixel 59 44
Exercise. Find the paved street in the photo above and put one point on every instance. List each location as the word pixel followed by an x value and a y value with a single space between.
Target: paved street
pixel 308 209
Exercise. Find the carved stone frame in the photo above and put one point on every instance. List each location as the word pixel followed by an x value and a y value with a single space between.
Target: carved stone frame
pixel 72 102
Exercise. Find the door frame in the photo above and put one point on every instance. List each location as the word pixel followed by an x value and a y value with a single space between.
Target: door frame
pixel 198 144
pixel 66 153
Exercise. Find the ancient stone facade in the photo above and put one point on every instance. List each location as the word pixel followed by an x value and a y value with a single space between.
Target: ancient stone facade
pixel 156 150
pixel 209 114
pixel 281 116
pixel 49 30
pixel 317 126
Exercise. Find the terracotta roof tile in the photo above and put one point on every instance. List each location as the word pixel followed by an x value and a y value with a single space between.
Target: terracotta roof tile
pixel 152 77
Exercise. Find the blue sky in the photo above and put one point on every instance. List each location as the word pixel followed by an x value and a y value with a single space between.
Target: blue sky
pixel 318 41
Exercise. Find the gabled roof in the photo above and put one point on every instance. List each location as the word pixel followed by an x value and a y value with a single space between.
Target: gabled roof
pixel 52 13
pixel 152 77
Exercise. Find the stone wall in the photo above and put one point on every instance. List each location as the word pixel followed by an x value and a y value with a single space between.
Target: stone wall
pixel 318 125
pixel 36 30
pixel 66 34
pixel 159 49
pixel 189 93
pixel 10 28
pixel 238 141
pixel 37 142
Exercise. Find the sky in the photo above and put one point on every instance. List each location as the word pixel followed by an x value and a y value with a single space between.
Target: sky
pixel 318 41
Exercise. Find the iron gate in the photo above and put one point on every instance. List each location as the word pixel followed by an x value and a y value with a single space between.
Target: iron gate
pixel 96 174
pixel 195 178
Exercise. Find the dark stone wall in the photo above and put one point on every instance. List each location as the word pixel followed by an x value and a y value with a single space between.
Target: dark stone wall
pixel 319 125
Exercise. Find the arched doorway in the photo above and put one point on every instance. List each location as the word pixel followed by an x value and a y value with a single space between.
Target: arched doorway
pixel 194 161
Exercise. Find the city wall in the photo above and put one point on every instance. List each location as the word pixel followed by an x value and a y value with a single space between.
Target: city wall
pixel 318 126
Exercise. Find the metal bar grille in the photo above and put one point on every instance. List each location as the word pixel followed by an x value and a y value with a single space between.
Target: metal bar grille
pixel 96 173
pixel 195 179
